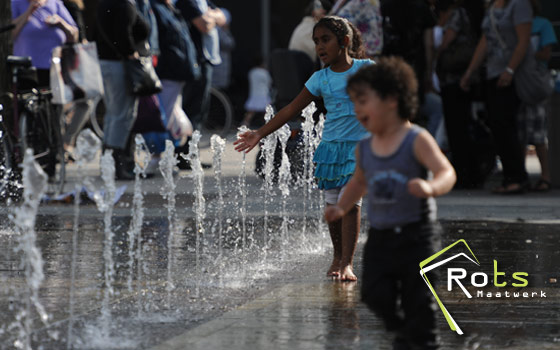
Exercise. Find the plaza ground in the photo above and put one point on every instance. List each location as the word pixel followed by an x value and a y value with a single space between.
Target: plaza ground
pixel 282 299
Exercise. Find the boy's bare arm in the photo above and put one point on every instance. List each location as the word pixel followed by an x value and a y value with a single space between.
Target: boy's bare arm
pixel 430 156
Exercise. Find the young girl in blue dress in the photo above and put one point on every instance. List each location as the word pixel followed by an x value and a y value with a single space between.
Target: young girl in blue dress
pixel 339 46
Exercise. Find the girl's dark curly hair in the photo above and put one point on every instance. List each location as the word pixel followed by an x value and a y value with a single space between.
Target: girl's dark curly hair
pixel 390 76
pixel 341 28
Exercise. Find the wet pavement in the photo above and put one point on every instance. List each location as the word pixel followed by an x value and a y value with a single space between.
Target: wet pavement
pixel 270 292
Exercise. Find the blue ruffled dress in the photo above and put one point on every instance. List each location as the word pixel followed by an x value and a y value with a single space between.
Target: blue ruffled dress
pixel 334 163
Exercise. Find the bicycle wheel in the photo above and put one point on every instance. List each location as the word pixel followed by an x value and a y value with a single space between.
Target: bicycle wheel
pixel 96 117
pixel 220 116
pixel 40 131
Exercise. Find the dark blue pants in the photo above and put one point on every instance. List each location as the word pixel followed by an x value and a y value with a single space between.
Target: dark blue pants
pixel 391 272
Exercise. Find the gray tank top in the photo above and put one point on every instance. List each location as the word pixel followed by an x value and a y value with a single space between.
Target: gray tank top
pixel 389 202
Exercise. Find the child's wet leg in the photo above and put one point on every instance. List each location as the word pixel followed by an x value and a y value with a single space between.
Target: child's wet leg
pixel 335 230
pixel 350 232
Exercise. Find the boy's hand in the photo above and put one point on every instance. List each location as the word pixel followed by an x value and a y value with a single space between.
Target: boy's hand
pixel 420 188
pixel 333 213
pixel 247 141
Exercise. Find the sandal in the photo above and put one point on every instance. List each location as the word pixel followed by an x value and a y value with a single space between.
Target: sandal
pixel 541 186
pixel 512 188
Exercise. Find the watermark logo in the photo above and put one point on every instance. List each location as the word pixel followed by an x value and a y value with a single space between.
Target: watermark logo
pixel 477 279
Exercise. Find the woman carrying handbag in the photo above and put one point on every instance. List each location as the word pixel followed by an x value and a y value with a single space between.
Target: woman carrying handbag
pixel 177 66
pixel 124 34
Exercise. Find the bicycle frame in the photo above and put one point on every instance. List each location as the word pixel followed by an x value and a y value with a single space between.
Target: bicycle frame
pixel 33 117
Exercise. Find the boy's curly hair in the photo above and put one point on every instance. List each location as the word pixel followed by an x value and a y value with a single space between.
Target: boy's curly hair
pixel 341 28
pixel 390 76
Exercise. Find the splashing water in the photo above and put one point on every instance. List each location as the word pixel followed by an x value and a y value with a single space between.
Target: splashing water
pixel 268 150
pixel 87 146
pixel 105 205
pixel 35 184
pixel 284 176
pixel 307 127
pixel 142 156
pixel 243 190
pixel 199 202
pixel 166 165
pixel 218 146
pixel 321 225
pixel 233 270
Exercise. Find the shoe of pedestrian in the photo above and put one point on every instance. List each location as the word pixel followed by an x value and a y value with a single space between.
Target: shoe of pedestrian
pixel 541 186
pixel 123 168
pixel 121 173
pixel 184 164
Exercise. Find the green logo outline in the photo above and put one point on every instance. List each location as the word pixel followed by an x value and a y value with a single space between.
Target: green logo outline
pixel 450 321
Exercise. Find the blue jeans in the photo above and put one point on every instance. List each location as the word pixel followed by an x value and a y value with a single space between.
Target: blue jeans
pixel 120 105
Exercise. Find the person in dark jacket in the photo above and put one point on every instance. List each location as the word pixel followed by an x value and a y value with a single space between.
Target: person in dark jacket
pixel 203 18
pixel 122 34
pixel 177 65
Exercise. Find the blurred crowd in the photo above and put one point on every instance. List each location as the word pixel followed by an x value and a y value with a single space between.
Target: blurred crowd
pixel 467 54
pixel 188 42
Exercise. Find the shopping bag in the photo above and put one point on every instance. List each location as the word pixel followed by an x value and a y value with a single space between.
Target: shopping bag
pixel 75 73
pixel 179 124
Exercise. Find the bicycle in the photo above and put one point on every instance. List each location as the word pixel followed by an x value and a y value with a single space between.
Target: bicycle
pixel 35 125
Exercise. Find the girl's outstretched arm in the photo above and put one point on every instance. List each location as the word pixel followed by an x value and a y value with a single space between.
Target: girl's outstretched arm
pixel 355 189
pixel 250 139
pixel 430 156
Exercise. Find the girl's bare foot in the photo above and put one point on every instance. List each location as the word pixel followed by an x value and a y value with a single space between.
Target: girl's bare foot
pixel 347 274
pixel 334 270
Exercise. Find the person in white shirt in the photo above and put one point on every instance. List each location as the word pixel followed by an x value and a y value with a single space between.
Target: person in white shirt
pixel 259 91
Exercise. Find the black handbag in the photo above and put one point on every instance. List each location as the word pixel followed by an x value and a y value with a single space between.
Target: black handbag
pixel 140 72
pixel 455 59
pixel 142 77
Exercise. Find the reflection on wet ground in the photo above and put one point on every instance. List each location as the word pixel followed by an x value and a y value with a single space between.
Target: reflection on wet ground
pixel 283 296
